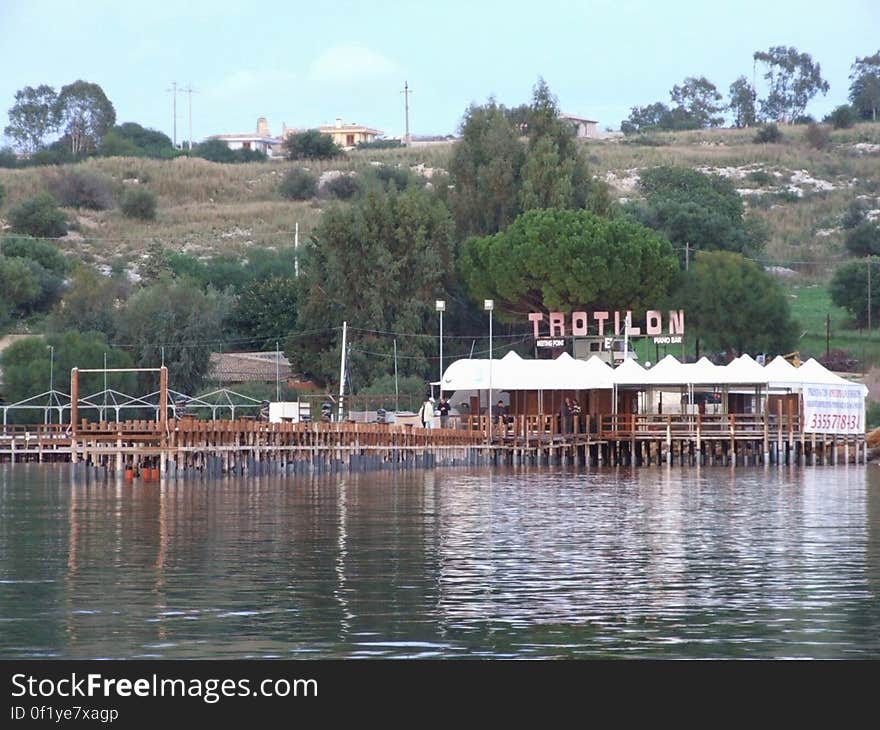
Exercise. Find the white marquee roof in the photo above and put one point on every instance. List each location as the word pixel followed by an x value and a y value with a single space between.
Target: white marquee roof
pixel 566 373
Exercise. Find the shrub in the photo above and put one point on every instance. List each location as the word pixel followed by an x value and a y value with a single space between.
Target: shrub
pixel 344 187
pixel 380 144
pixel 44 253
pixel 855 213
pixel 311 145
pixel 83 189
pixel 401 177
pixel 8 158
pixel 215 150
pixel 39 216
pixel 2 193
pixel 818 136
pixel 768 134
pixel 139 203
pixel 19 284
pixel 57 153
pixel 761 177
pixel 864 239
pixel 298 184
pixel 843 117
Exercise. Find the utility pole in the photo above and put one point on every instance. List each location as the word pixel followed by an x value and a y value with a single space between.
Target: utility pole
pixel 189 90
pixel 407 140
pixel 870 258
pixel 827 335
pixel 687 256
pixel 173 91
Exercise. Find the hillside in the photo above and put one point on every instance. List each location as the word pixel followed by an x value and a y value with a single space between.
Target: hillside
pixel 205 207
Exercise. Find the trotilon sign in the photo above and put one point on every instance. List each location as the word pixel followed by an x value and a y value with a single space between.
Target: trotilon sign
pixel 579 324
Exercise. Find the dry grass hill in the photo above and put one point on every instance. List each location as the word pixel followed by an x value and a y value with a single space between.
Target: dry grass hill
pixel 205 207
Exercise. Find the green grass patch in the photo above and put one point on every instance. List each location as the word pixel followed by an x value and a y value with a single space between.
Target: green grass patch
pixel 810 305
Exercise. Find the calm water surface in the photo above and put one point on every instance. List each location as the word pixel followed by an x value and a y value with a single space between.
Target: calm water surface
pixel 654 562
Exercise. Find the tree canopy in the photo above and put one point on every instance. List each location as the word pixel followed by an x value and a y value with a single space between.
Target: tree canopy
pixel 733 305
pixel 496 177
pixel 793 79
pixel 864 90
pixel 178 320
pixel 742 103
pixel 132 140
pixel 699 210
pixel 699 100
pixel 379 264
pixel 85 114
pixel 849 289
pixel 27 363
pixel 34 115
pixel 567 260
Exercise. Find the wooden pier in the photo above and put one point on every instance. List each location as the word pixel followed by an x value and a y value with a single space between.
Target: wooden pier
pixel 189 448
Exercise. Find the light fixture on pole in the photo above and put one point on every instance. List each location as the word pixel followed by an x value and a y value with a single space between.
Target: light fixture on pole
pixel 440 306
pixel 489 306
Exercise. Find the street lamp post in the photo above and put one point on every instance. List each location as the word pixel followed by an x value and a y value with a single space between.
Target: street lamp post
pixel 489 306
pixel 440 306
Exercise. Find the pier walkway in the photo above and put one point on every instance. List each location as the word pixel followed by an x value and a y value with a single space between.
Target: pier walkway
pixel 190 448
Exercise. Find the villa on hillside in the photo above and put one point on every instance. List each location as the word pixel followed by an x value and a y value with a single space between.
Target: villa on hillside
pixel 261 141
pixel 349 136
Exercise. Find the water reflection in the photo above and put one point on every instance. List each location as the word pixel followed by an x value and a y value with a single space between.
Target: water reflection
pixel 530 562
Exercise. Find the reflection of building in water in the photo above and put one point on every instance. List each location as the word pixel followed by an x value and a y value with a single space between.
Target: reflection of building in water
pixel 746 549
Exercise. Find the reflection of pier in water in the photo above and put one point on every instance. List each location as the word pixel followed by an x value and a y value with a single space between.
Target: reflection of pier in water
pixel 272 567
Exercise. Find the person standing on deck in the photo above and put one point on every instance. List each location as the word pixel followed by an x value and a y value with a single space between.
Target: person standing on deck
pixel 565 416
pixel 427 413
pixel 443 407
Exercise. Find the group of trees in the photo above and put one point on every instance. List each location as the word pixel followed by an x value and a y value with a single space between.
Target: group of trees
pixel 81 111
pixel 697 212
pixel 496 177
pixel 31 276
pixel 180 313
pixel 849 284
pixel 84 121
pixel 792 80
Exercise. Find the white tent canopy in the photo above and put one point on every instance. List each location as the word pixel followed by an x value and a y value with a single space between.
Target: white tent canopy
pixel 512 372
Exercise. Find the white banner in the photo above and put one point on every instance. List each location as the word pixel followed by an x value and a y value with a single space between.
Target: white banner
pixel 834 409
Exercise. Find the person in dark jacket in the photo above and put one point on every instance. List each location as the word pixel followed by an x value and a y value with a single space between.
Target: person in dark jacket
pixel 443 407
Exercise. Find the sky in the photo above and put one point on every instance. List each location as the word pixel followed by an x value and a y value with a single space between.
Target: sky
pixel 307 63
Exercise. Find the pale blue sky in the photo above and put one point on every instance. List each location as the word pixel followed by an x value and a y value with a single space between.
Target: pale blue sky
pixel 305 63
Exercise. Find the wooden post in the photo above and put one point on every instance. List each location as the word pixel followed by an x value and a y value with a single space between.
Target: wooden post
pixel 669 440
pixel 699 444
pixel 766 438
pixel 74 412
pixel 779 432
pixel 163 398
pixel 731 417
